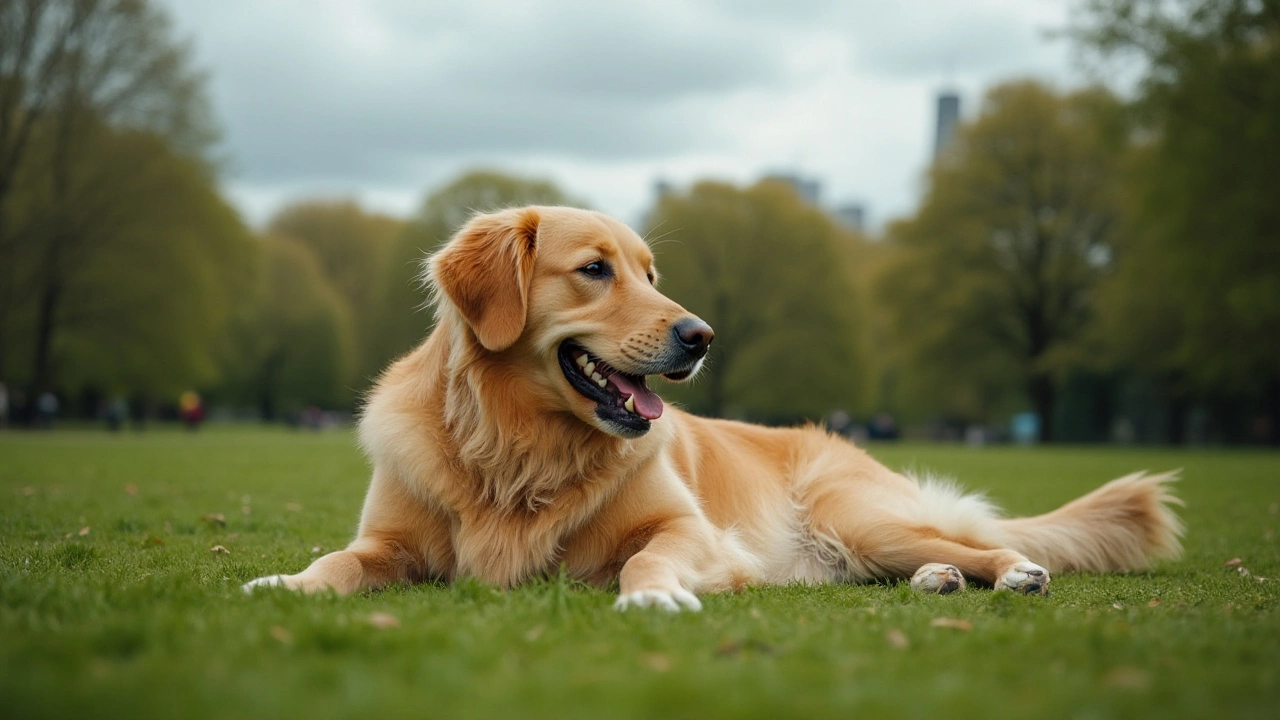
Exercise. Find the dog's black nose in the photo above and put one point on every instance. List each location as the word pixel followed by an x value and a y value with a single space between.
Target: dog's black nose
pixel 694 336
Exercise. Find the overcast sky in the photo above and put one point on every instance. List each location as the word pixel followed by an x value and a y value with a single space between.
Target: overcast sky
pixel 383 100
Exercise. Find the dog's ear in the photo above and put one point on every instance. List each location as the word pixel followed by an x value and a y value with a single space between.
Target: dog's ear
pixel 485 272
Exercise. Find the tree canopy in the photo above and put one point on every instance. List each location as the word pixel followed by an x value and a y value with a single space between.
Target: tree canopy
pixel 772 275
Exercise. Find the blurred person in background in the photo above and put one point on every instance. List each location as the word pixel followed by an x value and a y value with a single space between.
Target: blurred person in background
pixel 191 410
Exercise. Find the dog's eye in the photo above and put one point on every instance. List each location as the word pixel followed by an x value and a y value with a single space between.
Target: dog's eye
pixel 598 268
pixel 650 276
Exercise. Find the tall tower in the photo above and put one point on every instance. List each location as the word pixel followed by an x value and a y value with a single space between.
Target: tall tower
pixel 948 119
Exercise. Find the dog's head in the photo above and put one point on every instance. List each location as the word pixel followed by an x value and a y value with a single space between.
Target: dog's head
pixel 570 295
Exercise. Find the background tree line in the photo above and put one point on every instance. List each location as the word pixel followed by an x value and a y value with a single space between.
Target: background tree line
pixel 1112 264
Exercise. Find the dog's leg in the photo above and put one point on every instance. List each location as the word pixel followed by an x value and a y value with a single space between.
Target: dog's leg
pixel 935 560
pixel 367 563
pixel 652 577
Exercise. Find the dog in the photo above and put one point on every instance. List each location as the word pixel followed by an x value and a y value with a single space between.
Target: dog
pixel 521 437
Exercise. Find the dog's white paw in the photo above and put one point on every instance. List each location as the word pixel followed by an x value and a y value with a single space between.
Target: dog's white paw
pixel 1027 578
pixel 268 581
pixel 938 579
pixel 671 601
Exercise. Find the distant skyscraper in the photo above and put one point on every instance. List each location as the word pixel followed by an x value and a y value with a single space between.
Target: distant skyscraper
pixel 853 216
pixel 948 119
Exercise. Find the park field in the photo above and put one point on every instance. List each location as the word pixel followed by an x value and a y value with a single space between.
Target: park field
pixel 121 559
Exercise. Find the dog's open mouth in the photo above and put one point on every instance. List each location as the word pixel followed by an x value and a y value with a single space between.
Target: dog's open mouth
pixel 620 398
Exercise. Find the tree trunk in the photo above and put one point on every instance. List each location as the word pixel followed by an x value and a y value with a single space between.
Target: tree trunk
pixel 1178 419
pixel 42 365
pixel 1273 411
pixel 1044 398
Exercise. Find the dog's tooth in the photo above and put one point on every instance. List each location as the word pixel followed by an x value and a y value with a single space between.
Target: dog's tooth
pixel 590 368
pixel 582 360
pixel 630 404
pixel 600 381
pixel 597 377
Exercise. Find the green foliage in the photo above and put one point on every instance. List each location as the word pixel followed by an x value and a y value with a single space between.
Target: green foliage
pixel 773 277
pixel 117 255
pixel 351 247
pixel 990 287
pixel 293 345
pixel 138 618
pixel 1195 299
pixel 134 260
pixel 404 324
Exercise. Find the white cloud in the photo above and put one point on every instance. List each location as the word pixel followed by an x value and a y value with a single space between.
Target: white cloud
pixel 384 100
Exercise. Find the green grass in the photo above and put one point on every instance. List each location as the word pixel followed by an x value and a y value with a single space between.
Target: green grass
pixel 138 618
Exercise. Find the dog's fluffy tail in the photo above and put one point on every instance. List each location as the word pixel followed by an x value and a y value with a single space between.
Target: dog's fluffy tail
pixel 1123 526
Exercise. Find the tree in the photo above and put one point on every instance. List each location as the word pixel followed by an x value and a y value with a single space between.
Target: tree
pixel 403 324
pixel 992 285
pixel 293 344
pixel 771 274
pixel 351 247
pixel 1195 299
pixel 134 267
pixel 71 73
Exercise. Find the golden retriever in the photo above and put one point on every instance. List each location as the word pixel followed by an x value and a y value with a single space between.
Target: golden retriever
pixel 521 437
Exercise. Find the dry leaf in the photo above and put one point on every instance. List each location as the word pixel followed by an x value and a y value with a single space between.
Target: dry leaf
pixel 1232 562
pixel 657 662
pixel 315 550
pixel 897 639
pixel 83 531
pixel 281 634
pixel 946 622
pixel 245 509
pixel 1155 602
pixel 1243 571
pixel 1117 606
pixel 215 518
pixel 293 507
pixel 1129 678
pixel 384 621
pixel 534 633
pixel 131 489
pixel 219 550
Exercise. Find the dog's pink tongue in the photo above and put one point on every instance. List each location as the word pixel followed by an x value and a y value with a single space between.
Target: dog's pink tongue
pixel 647 402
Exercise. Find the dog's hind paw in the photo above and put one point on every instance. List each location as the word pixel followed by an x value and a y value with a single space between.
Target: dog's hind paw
pixel 671 601
pixel 1027 578
pixel 938 579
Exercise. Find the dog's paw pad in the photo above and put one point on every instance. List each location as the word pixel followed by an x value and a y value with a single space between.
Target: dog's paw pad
pixel 268 581
pixel 1027 578
pixel 671 601
pixel 938 579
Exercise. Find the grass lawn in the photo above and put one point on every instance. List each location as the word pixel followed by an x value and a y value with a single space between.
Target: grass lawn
pixel 113 605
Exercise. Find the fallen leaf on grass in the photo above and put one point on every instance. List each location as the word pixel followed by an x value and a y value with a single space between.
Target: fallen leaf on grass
pixel 956 623
pixel 384 621
pixel 151 541
pixel 534 633
pixel 1117 606
pixel 293 507
pixel 131 489
pixel 656 662
pixel 734 648
pixel 219 550
pixel 281 634
pixel 315 550
pixel 1232 562
pixel 897 639
pixel 83 531
pixel 1128 678
pixel 215 519
pixel 1155 602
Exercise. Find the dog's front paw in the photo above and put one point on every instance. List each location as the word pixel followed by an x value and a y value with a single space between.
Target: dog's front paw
pixel 938 579
pixel 268 581
pixel 1027 578
pixel 669 600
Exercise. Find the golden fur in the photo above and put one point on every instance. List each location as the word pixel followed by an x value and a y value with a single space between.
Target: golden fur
pixel 488 463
